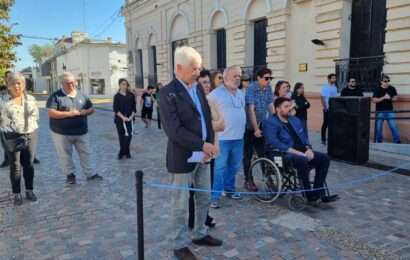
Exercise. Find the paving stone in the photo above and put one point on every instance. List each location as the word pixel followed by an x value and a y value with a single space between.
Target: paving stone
pixel 231 253
pixel 96 220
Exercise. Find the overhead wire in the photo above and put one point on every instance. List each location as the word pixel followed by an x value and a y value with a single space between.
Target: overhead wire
pixel 109 22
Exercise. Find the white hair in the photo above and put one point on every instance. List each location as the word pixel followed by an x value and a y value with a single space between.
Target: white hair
pixel 15 76
pixel 185 56
pixel 229 70
pixel 67 75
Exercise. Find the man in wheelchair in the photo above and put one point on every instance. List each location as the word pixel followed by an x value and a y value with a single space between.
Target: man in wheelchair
pixel 285 133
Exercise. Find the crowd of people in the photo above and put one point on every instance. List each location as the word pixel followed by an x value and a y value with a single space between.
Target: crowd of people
pixel 215 122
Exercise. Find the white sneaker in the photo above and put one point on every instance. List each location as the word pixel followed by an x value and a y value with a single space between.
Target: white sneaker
pixel 234 195
pixel 215 205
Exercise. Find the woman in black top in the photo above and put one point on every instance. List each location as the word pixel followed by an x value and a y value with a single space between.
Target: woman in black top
pixel 124 110
pixel 302 105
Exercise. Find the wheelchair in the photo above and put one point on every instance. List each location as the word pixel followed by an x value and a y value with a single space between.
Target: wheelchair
pixel 275 177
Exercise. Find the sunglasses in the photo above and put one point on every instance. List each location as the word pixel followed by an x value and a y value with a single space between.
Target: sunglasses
pixel 386 81
pixel 268 78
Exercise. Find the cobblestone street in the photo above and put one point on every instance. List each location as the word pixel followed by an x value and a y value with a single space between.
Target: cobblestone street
pixel 97 220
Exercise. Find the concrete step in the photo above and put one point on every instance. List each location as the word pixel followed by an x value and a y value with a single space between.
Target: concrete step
pixel 401 149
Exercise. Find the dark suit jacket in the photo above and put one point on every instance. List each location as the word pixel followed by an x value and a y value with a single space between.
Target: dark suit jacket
pixel 182 125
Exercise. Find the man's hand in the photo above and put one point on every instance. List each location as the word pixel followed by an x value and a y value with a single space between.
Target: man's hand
pixel 206 158
pixel 258 133
pixel 309 154
pixel 83 112
pixel 209 149
pixel 75 113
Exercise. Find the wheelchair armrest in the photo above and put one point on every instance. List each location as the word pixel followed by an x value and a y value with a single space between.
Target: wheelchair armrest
pixel 274 152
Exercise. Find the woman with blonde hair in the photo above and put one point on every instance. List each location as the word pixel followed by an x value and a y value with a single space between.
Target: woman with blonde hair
pixel 18 123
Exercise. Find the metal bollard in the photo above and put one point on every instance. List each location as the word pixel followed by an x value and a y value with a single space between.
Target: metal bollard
pixel 140 213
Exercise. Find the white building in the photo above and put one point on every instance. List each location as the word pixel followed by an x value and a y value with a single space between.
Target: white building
pixel 97 64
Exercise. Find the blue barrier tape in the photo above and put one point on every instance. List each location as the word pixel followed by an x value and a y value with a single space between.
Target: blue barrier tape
pixel 339 186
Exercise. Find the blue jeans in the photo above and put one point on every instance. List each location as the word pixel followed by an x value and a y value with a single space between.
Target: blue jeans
pixel 227 164
pixel 389 117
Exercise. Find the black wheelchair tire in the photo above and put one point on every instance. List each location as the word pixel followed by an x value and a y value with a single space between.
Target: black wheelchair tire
pixel 265 193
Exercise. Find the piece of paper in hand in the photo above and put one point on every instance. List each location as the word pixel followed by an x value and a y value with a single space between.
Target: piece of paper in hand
pixel 196 157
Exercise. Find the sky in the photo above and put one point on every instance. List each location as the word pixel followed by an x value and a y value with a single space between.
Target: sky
pixel 55 18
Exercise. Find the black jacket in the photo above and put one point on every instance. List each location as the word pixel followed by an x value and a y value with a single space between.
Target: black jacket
pixel 182 125
pixel 347 92
pixel 302 106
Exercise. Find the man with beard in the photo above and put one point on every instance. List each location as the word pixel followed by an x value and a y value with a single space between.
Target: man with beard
pixel 286 133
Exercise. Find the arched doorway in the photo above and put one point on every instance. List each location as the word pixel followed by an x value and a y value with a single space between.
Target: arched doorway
pixel 218 40
pixel 179 33
pixel 255 13
pixel 139 70
pixel 152 61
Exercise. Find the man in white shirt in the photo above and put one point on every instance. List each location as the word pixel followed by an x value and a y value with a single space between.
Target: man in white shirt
pixel 231 101
pixel 328 90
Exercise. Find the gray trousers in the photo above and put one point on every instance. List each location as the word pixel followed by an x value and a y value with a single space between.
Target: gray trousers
pixel 64 145
pixel 200 179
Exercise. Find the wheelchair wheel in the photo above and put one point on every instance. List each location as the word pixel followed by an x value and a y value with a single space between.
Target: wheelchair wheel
pixel 297 202
pixel 267 178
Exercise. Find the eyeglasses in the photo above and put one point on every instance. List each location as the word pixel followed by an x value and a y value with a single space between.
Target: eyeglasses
pixel 386 81
pixel 268 78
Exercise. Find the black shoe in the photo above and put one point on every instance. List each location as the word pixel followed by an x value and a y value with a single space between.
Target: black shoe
pixel 30 195
pixel 120 156
pixel 207 241
pixel 210 222
pixel 128 156
pixel 36 161
pixel 184 254
pixel 324 142
pixel 4 164
pixel 331 198
pixel 18 199
pixel 71 179
pixel 95 177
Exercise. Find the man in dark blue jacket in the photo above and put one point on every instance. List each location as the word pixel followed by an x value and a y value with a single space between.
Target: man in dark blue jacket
pixel 286 133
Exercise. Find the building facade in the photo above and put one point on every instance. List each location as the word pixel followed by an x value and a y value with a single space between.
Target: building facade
pixel 97 64
pixel 300 40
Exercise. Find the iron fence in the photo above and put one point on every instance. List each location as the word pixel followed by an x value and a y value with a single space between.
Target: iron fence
pixel 366 70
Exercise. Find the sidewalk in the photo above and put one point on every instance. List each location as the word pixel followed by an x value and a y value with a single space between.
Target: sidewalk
pixel 94 220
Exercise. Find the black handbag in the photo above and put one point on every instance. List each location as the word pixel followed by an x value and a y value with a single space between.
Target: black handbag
pixel 16 142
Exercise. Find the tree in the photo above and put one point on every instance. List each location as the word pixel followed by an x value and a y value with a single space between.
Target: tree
pixel 7 40
pixel 40 51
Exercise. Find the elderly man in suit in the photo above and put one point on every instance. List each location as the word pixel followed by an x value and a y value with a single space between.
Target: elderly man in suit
pixel 186 118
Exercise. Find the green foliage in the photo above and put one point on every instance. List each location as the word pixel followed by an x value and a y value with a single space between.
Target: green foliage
pixel 40 51
pixel 7 40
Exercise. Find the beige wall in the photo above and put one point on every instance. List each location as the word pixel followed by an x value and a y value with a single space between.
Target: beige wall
pixel 301 49
pixel 397 45
pixel 291 27
pixel 292 24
